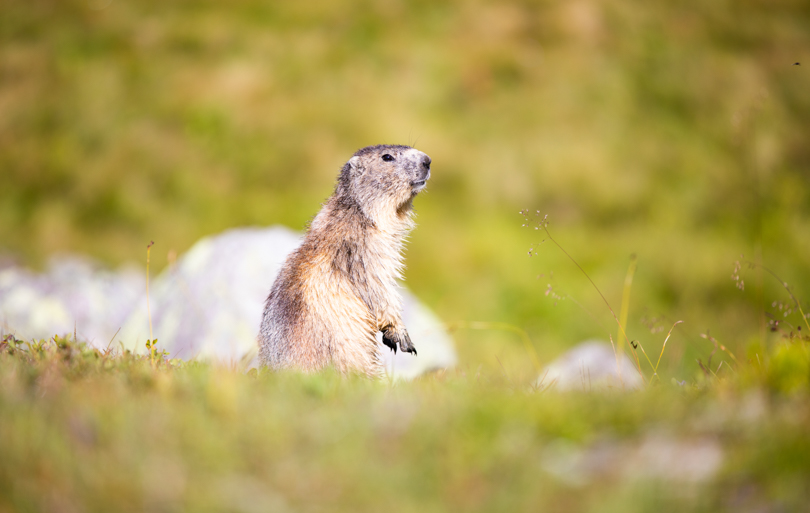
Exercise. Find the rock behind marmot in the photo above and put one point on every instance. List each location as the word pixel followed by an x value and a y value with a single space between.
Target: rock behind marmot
pixel 339 288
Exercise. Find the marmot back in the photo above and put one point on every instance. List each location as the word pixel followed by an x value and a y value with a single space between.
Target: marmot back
pixel 339 288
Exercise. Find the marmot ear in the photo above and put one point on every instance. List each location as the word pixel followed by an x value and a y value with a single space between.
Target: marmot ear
pixel 357 168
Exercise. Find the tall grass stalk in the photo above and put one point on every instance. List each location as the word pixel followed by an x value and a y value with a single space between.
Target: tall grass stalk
pixel 623 312
pixel 148 310
pixel 628 284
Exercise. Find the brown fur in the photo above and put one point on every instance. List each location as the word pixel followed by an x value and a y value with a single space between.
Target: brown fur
pixel 339 288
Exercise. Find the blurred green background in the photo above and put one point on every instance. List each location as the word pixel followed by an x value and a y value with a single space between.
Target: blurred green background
pixel 676 131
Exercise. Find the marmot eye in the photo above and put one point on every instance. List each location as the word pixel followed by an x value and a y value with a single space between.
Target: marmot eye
pixel 387 158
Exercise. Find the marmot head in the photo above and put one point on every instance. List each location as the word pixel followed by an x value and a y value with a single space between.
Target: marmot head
pixel 384 179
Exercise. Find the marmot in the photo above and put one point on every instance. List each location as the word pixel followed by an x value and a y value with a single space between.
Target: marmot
pixel 339 288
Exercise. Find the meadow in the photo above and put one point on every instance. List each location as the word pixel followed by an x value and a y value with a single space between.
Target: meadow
pixel 666 142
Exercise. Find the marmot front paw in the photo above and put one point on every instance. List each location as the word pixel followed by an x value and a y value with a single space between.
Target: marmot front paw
pixel 391 338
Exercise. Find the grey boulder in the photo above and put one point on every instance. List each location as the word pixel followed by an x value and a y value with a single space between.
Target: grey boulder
pixel 73 293
pixel 591 365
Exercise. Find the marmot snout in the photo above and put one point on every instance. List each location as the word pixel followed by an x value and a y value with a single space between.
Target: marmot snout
pixel 339 288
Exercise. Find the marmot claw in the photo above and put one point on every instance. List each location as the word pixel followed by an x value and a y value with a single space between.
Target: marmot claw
pixel 391 339
pixel 405 344
pixel 390 342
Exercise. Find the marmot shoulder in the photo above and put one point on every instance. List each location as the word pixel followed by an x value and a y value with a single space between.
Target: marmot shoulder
pixel 339 288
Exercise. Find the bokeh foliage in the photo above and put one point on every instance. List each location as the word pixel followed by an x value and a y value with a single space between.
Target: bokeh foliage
pixel 90 430
pixel 673 130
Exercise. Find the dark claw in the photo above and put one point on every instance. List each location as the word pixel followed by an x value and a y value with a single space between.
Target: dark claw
pixel 406 345
pixel 390 342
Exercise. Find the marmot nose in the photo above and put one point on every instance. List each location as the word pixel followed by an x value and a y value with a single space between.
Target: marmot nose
pixel 426 162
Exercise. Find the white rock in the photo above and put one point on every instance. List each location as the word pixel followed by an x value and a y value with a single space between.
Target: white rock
pixel 588 366
pixel 73 292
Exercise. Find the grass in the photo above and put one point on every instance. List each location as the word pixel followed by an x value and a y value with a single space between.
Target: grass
pixel 91 430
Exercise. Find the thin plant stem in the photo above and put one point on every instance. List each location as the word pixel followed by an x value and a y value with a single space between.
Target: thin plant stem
pixel 664 346
pixel 645 355
pixel 720 346
pixel 113 337
pixel 787 288
pixel 616 355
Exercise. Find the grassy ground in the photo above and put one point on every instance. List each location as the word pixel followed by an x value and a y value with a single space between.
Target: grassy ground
pixel 676 132
pixel 85 430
